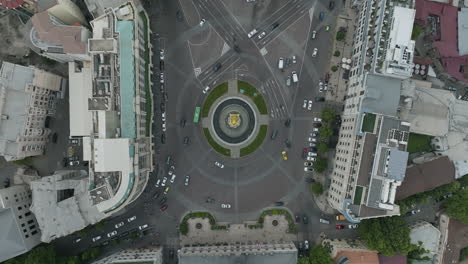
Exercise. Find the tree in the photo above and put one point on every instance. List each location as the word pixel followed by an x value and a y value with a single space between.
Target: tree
pixel 334 68
pixel 326 132
pixel 320 164
pixel 457 206
pixel 337 53
pixel 340 35
pixel 417 252
pixel 320 255
pixel 317 188
pixel 322 147
pixel 303 260
pixel 388 235
pixel 328 114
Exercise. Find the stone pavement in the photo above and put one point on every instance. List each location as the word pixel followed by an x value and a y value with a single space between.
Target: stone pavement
pixel 337 86
pixel 237 232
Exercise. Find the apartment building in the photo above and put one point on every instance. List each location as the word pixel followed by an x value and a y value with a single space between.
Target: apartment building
pixel 19 228
pixel 27 97
pixel 371 153
pixel 147 255
pixel 281 253
pixel 108 102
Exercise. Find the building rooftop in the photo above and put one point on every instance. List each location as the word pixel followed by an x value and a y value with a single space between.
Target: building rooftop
pixel 427 234
pixel 72 39
pixel 396 259
pixel 11 241
pixel 382 95
pixel 11 3
pixel 425 177
pixel 463 31
pixel 80 89
pixel 357 256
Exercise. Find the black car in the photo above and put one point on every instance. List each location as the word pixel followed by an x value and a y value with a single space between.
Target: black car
pixel 161 65
pixel 287 143
pixel 319 99
pixel 179 16
pixel 237 49
pixel 163 138
pixel 287 123
pixel 317 125
pixel 54 138
pixel 186 140
pixel 171 253
pixel 279 203
pixel 275 25
pixel 274 134
pixel 305 220
pixel 331 5
pixel 309 180
pixel 313 149
pixel 182 122
pixel 156 195
pixel 163 201
pixel 298 218
pixel 216 67
pixel 162 107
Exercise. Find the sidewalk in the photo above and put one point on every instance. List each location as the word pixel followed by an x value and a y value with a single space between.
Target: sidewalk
pixel 337 86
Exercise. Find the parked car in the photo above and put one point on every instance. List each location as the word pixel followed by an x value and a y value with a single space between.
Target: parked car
pixel 319 99
pixel 156 195
pixel 164 181
pixel 166 190
pixel 317 119
pixel 77 240
pixel 308 169
pixel 158 183
pixel 225 206
pixel 340 227
pixel 252 33
pixel 163 138
pixel 309 180
pixel 261 35
pixel 294 59
pixel 279 203
pixel 216 67
pixel 353 226
pixel 322 16
pixel 305 219
pixel 309 106
pixel 315 52
pixel 306 245
pixel 119 224
pixel 202 22
pixel 74 163
pixel 206 89
pixel 143 226
pixel 304 105
pixel 310 158
pixel 96 238
pixel 275 25
pixel 173 178
pixel 182 122
pixel 187 180
pixel 54 138
pixel 111 234
pixel 163 201
pixel 74 141
pixel 133 218
pixel 413 212
pixel 287 123
pixel 186 140
pixel 340 217
pixel 219 165
pixel 331 5
pixel 163 208
pixel 324 221
pixel 297 218
pixel 274 134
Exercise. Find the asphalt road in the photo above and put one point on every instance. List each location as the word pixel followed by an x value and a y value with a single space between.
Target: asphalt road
pixel 251 183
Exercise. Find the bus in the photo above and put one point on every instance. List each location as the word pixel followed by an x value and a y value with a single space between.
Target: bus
pixel 196 115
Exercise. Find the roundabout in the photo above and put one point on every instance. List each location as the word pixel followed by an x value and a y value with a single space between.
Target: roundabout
pixel 235 120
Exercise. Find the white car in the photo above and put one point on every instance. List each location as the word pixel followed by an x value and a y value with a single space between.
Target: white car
pixel 261 35
pixel 206 89
pixel 306 245
pixel 314 53
pixel 202 22
pixel 161 76
pixel 225 206
pixel 309 106
pixel 143 226
pixel 77 240
pixel 317 119
pixel 111 234
pixel 96 238
pixel 163 127
pixel 280 63
pixel 164 181
pixel 220 165
pixel 295 78
pixel 312 144
pixel 187 180
pixel 158 182
pixel 119 225
pixel 312 154
pixel 308 169
pixel 314 34
pixel 307 164
pixel 294 59
pixel 315 129
pixel 304 105
pixel 320 86
pixel 252 33
pixel 309 158
pixel 131 219
pixel 325 86
pixel 161 54
pixel 173 178
pixel 163 116
pixel 312 139
pixel 353 226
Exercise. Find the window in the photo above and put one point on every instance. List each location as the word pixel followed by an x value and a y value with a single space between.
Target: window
pixel 34 232
pixel 30 221
pixel 28 214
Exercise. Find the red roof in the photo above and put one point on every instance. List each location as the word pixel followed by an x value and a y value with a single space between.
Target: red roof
pixel 11 3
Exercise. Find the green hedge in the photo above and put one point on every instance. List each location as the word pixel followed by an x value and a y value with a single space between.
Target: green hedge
pixel 256 143
pixel 149 100
pixel 249 90
pixel 217 92
pixel 291 225
pixel 220 149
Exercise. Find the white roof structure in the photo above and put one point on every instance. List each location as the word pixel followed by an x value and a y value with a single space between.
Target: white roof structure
pixel 399 57
pixel 81 120
pixel 463 31
pixel 427 234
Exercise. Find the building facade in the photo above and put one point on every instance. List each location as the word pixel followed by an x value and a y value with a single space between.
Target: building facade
pixel 150 255
pixel 27 97
pixel 371 151
pixel 18 226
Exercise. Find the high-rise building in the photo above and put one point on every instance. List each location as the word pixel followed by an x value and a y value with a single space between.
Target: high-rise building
pixel 147 255
pixel 27 97
pixel 19 231
pixel 371 155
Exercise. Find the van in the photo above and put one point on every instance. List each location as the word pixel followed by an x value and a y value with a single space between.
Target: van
pixel 281 63
pixel 274 134
pixel 324 221
pixel 295 79
pixel 340 217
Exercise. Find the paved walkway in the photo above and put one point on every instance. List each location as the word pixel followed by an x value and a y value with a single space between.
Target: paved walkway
pixel 337 85
pixel 237 232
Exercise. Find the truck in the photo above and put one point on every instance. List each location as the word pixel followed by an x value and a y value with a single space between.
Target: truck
pixel 340 217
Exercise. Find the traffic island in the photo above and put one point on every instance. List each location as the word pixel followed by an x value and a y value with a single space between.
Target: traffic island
pixel 235 119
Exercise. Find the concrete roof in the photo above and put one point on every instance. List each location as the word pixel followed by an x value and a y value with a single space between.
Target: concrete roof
pixel 397 164
pixel 382 95
pixel 426 176
pixel 11 241
pixel 463 31
pixel 81 86
pixel 69 37
pixel 427 234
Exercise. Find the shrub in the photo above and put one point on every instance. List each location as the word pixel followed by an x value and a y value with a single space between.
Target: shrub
pixel 337 53
pixel 317 188
pixel 334 68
